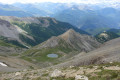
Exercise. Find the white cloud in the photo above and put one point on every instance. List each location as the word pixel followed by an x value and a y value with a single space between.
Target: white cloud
pixel 63 1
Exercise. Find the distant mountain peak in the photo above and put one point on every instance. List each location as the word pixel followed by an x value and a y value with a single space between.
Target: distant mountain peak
pixel 70 30
pixel 67 34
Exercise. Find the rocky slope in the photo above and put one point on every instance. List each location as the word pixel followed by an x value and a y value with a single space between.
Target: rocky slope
pixel 8 49
pixel 80 42
pixel 9 58
pixel 75 40
pixel 12 32
pixel 92 72
pixel 13 64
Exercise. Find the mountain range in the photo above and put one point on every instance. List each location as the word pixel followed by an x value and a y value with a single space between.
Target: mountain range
pixel 92 21
pixel 59 41
pixel 92 18
pixel 9 10
pixel 30 31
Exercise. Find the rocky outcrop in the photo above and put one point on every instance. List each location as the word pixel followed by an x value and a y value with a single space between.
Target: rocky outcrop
pixel 57 73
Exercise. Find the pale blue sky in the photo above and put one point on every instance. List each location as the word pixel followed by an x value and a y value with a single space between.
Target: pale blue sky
pixel 63 1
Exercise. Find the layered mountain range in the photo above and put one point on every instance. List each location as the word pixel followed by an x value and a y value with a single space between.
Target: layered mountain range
pixel 92 18
pixel 31 31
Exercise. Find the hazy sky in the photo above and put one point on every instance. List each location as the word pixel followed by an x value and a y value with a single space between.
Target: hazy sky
pixel 63 1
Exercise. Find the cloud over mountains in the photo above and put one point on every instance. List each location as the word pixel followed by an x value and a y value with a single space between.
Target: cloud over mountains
pixel 62 1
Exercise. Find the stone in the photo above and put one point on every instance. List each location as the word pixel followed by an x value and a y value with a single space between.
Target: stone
pixel 80 77
pixel 56 73
pixel 17 74
pixel 71 66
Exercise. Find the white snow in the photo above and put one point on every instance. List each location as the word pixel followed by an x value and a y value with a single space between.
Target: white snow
pixel 2 64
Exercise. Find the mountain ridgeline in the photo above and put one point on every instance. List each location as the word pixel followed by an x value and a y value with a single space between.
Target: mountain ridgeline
pixel 10 10
pixel 92 21
pixel 31 31
pixel 90 18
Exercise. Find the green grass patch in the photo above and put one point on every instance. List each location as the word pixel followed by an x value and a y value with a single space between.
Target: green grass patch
pixel 3 43
pixel 41 54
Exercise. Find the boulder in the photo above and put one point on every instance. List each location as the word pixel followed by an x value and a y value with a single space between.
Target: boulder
pixel 57 73
pixel 17 74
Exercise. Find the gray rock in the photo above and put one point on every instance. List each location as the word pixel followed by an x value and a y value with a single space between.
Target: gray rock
pixel 56 73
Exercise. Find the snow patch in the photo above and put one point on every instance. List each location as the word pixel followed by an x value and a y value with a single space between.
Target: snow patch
pixel 2 64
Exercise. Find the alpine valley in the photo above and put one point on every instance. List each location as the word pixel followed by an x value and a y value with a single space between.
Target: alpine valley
pixel 59 41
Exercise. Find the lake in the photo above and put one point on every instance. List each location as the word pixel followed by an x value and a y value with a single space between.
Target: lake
pixel 52 55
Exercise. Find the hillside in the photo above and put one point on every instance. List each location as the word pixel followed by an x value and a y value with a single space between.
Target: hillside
pixel 8 49
pixel 117 31
pixel 58 49
pixel 9 52
pixel 106 36
pixel 109 52
pixel 36 29
pixel 11 33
